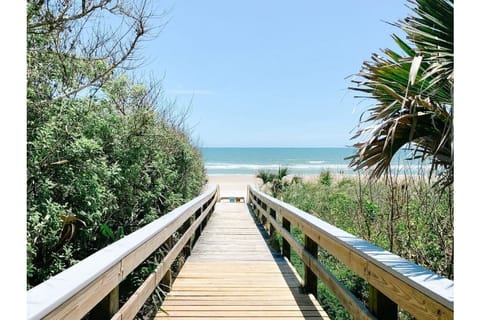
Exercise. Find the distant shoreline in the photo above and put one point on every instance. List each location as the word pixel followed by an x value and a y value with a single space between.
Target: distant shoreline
pixel 299 161
pixel 296 147
pixel 238 181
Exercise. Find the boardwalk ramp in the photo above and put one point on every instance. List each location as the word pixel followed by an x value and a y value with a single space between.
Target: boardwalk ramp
pixel 232 274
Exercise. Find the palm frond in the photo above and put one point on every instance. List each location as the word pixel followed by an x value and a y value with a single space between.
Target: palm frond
pixel 413 94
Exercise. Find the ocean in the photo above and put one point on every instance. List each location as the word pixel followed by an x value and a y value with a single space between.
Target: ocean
pixel 300 161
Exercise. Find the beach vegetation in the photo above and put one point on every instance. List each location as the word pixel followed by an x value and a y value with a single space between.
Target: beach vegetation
pixel 275 182
pixel 412 86
pixel 106 154
pixel 326 178
pixel 402 213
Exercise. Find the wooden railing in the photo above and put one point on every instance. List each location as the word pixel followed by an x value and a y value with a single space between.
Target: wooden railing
pixel 394 282
pixel 92 285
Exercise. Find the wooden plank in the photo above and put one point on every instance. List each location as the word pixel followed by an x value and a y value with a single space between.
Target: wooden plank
pixel 160 316
pixel 233 274
pixel 293 307
pixel 244 313
pixel 351 303
pixel 232 303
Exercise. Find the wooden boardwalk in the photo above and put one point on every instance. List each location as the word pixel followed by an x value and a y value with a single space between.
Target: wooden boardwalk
pixel 232 274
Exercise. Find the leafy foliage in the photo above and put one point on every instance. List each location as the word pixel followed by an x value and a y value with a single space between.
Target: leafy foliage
pixel 413 92
pixel 100 162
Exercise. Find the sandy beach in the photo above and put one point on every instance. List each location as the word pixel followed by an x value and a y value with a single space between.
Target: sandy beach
pixel 235 185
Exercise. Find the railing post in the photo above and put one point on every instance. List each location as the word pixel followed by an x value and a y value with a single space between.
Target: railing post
pixel 285 244
pixel 191 242
pixel 199 230
pixel 380 305
pixel 204 222
pixel 310 279
pixel 264 218
pixel 167 280
pixel 106 308
pixel 274 240
pixel 186 249
pixel 271 228
pixel 258 206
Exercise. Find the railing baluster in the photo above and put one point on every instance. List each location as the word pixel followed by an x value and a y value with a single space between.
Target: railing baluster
pixel 263 219
pixel 199 230
pixel 271 228
pixel 310 279
pixel 167 280
pixel 106 308
pixel 285 244
pixel 380 305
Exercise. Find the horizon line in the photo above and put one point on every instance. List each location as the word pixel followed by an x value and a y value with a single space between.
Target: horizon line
pixel 277 147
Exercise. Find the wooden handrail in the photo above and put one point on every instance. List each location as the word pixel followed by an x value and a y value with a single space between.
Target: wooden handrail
pixel 393 280
pixel 72 293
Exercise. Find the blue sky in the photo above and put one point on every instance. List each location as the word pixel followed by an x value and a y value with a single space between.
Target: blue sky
pixel 269 73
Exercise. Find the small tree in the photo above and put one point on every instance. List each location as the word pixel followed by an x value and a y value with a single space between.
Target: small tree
pixel 413 93
pixel 76 45
pixel 275 179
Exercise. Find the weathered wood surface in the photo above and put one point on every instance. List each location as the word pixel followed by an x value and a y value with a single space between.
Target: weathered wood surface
pixel 313 269
pixel 232 274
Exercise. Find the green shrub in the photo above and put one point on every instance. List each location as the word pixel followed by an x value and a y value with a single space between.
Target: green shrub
pixel 406 215
pixel 114 172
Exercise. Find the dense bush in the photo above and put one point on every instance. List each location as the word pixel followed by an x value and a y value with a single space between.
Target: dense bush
pixel 105 154
pixel 112 172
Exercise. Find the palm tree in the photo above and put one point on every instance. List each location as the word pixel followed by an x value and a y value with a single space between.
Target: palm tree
pixel 414 94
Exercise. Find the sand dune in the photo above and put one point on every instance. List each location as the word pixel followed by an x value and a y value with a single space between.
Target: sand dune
pixel 233 185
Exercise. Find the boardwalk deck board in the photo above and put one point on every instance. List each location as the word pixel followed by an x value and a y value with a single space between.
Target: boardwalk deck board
pixel 232 274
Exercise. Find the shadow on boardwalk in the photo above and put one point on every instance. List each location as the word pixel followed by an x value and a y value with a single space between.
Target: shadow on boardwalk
pixel 306 302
